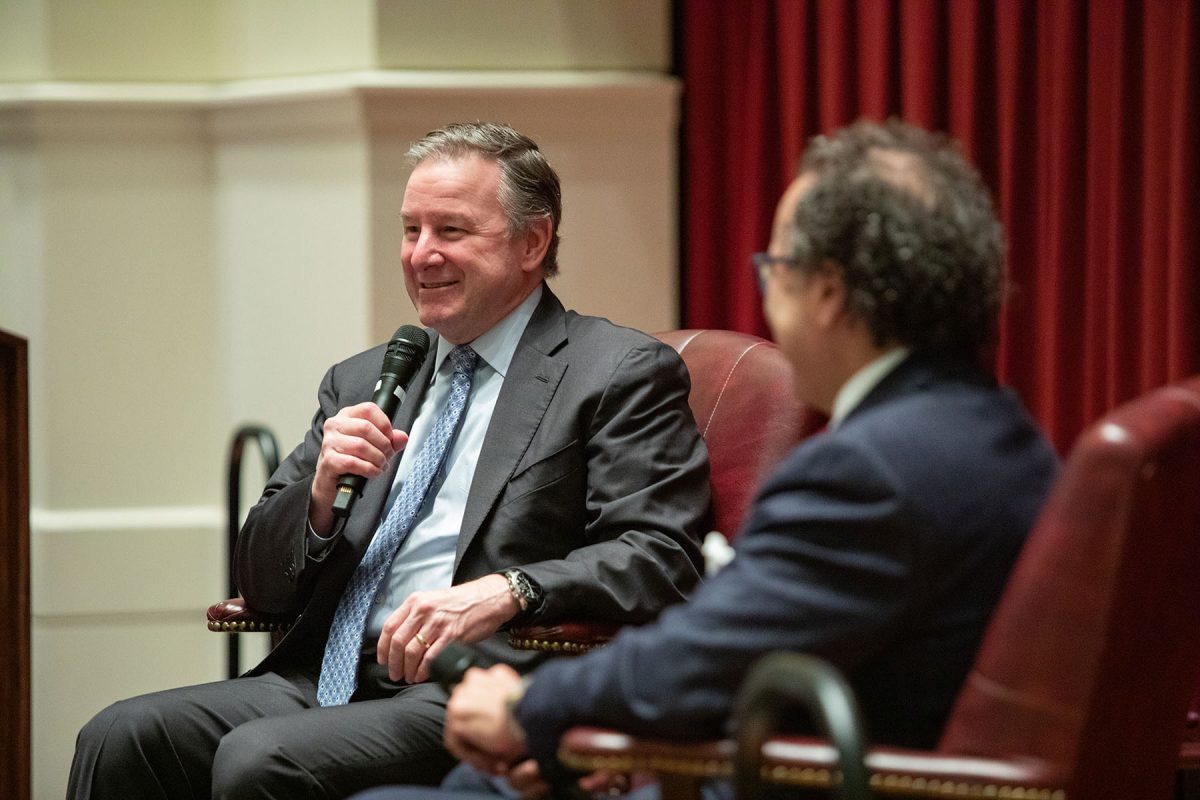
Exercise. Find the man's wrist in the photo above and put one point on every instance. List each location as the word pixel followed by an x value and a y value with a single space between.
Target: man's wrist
pixel 511 700
pixel 525 591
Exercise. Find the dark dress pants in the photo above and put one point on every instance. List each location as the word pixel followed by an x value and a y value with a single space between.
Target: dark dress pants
pixel 261 737
pixel 465 783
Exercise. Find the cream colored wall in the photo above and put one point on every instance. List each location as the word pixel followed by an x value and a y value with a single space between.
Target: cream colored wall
pixel 293 37
pixel 197 216
pixel 533 34
pixel 22 40
pixel 152 40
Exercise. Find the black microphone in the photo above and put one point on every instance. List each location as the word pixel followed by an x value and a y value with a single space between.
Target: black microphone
pixel 449 666
pixel 405 354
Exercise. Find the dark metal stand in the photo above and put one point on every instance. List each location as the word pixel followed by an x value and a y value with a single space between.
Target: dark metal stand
pixel 265 440
pixel 775 686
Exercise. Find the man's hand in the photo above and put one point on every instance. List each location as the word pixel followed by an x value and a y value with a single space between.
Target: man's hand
pixel 526 777
pixel 358 440
pixel 478 727
pixel 426 622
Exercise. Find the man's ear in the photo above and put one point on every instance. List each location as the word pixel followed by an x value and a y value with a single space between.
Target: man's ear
pixel 828 294
pixel 537 242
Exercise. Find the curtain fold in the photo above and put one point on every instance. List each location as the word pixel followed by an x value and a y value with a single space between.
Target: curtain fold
pixel 1081 117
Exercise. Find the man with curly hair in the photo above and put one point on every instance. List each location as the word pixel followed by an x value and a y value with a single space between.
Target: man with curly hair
pixel 882 545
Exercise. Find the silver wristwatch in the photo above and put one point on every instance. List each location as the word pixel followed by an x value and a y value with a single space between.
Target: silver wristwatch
pixel 528 594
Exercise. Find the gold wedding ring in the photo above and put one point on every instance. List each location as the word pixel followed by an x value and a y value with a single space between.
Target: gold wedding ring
pixel 421 639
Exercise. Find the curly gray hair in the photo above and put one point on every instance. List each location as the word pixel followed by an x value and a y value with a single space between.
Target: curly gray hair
pixel 911 226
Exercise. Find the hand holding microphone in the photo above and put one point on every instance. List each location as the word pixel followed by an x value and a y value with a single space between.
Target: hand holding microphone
pixel 480 731
pixel 478 728
pixel 405 354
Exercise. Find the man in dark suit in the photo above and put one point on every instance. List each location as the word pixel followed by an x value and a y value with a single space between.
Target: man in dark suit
pixel 881 545
pixel 554 470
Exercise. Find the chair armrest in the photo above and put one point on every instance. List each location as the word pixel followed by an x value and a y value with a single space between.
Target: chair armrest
pixel 811 762
pixel 571 638
pixel 1189 756
pixel 1189 748
pixel 232 616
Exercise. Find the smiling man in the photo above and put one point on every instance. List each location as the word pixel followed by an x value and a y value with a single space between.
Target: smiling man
pixel 543 465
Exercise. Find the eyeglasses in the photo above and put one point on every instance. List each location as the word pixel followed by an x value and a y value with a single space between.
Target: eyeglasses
pixel 761 263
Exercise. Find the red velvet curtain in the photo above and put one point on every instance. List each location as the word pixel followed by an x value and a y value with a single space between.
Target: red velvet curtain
pixel 1081 116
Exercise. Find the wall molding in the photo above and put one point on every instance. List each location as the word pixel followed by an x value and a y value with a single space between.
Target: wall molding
pixel 374 102
pixel 219 94
pixel 109 561
pixel 106 520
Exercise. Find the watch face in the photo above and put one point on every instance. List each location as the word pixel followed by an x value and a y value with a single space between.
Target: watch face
pixel 521 584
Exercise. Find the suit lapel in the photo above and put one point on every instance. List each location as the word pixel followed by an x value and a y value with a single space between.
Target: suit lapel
pixel 532 379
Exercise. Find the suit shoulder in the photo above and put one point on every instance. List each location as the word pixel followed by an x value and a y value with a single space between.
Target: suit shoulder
pixel 940 410
pixel 588 325
pixel 605 336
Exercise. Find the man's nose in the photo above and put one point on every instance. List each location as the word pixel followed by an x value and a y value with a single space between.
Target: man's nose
pixel 425 252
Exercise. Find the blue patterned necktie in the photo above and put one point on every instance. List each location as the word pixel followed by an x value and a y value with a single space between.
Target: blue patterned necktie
pixel 339 668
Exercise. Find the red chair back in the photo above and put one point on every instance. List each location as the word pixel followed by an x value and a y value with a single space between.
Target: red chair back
pixel 744 405
pixel 1090 659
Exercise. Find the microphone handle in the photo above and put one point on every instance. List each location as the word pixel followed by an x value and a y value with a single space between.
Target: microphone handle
pixel 350 487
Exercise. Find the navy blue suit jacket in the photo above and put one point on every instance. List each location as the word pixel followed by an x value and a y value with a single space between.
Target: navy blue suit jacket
pixel 882 546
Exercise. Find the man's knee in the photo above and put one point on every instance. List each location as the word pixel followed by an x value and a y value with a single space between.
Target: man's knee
pixel 122 731
pixel 122 750
pixel 252 763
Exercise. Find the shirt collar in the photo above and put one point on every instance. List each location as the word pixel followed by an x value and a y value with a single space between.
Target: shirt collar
pixel 855 390
pixel 497 346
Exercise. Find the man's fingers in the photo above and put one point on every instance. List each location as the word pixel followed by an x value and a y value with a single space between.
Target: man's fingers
pixel 359 438
pixel 414 657
pixel 526 778
pixel 397 629
pixel 404 646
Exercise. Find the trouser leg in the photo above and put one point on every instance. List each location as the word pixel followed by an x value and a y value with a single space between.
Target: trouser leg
pixel 161 745
pixel 335 752
pixel 465 783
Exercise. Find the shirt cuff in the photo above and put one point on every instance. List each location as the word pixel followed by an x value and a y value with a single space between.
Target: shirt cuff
pixel 318 546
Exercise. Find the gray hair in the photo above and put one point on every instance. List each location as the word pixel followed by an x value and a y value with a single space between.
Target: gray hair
pixel 911 226
pixel 529 186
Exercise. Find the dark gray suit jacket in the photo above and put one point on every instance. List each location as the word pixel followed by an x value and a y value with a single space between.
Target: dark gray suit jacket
pixel 592 478
pixel 882 546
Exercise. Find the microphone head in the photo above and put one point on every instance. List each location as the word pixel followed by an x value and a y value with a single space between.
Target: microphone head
pixel 449 666
pixel 409 344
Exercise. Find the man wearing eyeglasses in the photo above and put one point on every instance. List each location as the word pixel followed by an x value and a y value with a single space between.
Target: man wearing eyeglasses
pixel 881 545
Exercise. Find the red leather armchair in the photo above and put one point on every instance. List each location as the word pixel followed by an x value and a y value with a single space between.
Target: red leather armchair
pixel 743 403
pixel 1082 683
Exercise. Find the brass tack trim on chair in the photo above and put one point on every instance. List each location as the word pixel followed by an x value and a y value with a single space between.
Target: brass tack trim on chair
pixel 693 768
pixel 810 777
pixel 932 787
pixel 574 648
pixel 241 626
